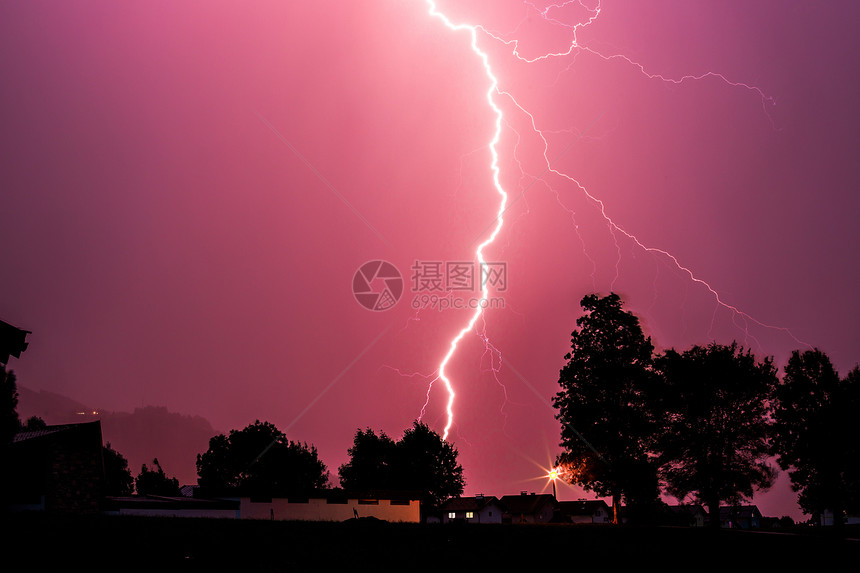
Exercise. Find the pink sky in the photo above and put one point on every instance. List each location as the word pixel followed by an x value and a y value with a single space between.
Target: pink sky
pixel 189 187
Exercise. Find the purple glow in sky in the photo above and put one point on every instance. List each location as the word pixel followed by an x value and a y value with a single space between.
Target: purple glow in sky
pixel 188 189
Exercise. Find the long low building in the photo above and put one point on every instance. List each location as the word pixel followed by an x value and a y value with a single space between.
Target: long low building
pixel 322 505
pixel 163 506
pixel 335 505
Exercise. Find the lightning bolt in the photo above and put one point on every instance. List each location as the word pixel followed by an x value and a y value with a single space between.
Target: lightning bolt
pixel 494 166
pixel 739 318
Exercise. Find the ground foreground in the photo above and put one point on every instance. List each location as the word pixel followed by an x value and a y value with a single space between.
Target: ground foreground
pixel 38 541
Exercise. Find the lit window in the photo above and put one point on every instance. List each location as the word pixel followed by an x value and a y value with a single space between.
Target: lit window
pixel 452 514
pixel 469 515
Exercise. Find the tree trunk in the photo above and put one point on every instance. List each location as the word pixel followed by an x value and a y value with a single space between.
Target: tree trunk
pixel 616 510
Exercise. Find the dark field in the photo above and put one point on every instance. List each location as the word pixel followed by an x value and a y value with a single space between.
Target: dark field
pixel 103 543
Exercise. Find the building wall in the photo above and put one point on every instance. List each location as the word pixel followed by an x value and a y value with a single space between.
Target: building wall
pixel 60 469
pixel 488 514
pixel 322 510
pixel 583 519
pixel 544 515
pixel 215 513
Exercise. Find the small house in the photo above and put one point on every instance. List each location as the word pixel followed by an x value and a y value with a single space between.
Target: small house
pixel 478 509
pixel 529 508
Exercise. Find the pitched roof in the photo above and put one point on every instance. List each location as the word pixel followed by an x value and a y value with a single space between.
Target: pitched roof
pixel 167 502
pixel 13 341
pixel 582 507
pixel 686 508
pixel 476 503
pixel 527 503
pixel 60 429
pixel 739 511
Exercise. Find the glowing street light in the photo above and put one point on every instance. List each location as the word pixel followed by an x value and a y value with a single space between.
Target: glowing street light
pixel 553 475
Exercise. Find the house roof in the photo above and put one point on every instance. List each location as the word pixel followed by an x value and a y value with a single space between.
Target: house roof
pixel 527 503
pixel 46 431
pixel 85 431
pixel 189 490
pixel 165 502
pixel 582 507
pixel 690 509
pixel 476 503
pixel 739 511
pixel 13 341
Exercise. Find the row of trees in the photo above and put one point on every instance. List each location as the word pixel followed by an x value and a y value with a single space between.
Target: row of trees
pixel 150 481
pixel 259 460
pixel 702 423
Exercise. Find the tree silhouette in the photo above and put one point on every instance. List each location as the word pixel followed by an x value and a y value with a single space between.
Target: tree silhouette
pixel 716 437
pixel 817 433
pixel 33 423
pixel 605 405
pixel 118 479
pixel 259 461
pixel 372 462
pixel 429 464
pixel 155 482
pixel 9 408
pixel 420 461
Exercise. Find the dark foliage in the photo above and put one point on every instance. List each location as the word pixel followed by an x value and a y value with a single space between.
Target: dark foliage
pixel 421 461
pixel 259 461
pixel 818 438
pixel 716 435
pixel 605 405
pixel 118 479
pixel 34 423
pixel 372 462
pixel 9 408
pixel 155 482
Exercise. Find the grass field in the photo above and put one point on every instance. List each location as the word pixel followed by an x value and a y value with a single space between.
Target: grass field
pixel 101 543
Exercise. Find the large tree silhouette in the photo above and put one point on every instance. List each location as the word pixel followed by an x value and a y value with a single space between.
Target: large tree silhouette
pixel 716 437
pixel 605 405
pixel 420 461
pixel 818 438
pixel 259 461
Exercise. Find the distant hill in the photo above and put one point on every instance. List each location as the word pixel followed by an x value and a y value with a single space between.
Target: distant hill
pixel 147 433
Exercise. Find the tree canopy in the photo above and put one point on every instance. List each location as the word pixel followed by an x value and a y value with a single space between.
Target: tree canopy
pixel 420 461
pixel 716 435
pixel 817 438
pixel 372 462
pixel 155 482
pixel 118 479
pixel 605 406
pixel 259 460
